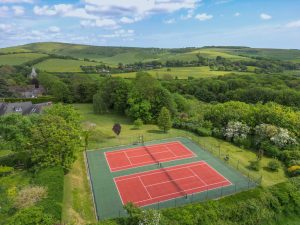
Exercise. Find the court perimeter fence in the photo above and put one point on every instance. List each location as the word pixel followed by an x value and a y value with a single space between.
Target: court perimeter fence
pixel 252 179
pixel 216 151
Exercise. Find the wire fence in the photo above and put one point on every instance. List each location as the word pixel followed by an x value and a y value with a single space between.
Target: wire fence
pixel 194 198
pixel 214 150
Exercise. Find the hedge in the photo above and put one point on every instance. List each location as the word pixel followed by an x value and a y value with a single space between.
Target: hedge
pixel 53 180
pixel 41 99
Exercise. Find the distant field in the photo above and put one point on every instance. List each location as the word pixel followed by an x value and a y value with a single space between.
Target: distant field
pixel 17 59
pixel 63 65
pixel 182 73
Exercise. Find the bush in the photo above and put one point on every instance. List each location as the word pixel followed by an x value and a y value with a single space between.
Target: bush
pixel 17 159
pixel 270 149
pixel 274 165
pixel 254 165
pixel 31 216
pixel 294 170
pixel 5 170
pixel 53 180
pixel 204 132
pixel 29 196
pixel 138 123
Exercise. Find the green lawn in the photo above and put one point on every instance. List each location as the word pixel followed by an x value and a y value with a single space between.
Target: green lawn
pixel 17 59
pixel 63 65
pixel 4 152
pixel 182 73
pixel 77 191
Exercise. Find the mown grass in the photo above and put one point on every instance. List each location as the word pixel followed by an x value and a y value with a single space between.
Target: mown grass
pixel 20 58
pixel 182 73
pixel 77 206
pixel 63 65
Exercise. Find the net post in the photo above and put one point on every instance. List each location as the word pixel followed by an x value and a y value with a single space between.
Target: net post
pixel 222 191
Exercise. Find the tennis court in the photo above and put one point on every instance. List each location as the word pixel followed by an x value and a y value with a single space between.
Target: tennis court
pixel 158 174
pixel 167 183
pixel 146 155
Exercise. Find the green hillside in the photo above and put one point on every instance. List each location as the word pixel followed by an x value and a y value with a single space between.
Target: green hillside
pixel 19 58
pixel 114 55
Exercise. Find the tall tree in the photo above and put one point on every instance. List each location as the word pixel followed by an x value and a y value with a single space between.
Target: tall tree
pixel 164 120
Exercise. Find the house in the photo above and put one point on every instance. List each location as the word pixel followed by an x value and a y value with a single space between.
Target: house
pixel 24 108
pixel 28 91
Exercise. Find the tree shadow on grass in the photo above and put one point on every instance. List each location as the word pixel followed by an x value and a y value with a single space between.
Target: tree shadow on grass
pixel 155 132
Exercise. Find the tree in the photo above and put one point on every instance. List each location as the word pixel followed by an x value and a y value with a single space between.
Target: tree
pixel 15 132
pixel 88 129
pixel 99 104
pixel 117 128
pixel 164 120
pixel 54 142
pixel 138 123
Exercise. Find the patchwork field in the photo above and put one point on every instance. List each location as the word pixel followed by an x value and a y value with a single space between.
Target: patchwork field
pixel 20 58
pixel 182 73
pixel 63 65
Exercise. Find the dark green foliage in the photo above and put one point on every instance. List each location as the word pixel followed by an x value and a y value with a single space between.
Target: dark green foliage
pixel 33 100
pixel 5 170
pixel 32 216
pixel 53 180
pixel 274 165
pixel 254 165
pixel 164 120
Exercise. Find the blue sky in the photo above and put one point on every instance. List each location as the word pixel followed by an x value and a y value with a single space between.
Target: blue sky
pixel 152 23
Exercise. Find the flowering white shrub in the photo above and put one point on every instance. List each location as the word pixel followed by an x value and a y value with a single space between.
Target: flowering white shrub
pixel 283 138
pixel 236 129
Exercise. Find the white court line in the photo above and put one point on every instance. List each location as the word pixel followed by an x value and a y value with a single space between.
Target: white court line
pixel 143 163
pixel 197 175
pixel 144 187
pixel 170 151
pixel 116 185
pixel 170 180
pixel 190 189
pixel 182 166
pixel 141 147
pixel 146 154
pixel 128 158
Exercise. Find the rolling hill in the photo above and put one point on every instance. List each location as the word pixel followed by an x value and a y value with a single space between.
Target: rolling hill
pixel 114 55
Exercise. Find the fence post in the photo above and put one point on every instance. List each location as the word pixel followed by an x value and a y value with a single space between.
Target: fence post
pixel 238 162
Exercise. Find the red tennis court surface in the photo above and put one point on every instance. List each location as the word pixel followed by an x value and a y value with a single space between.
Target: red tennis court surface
pixel 167 183
pixel 146 155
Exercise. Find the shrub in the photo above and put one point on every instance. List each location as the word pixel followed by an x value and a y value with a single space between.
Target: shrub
pixel 294 170
pixel 254 165
pixel 53 180
pixel 31 216
pixel 29 196
pixel 204 132
pixel 138 123
pixel 274 165
pixel 270 149
pixel 5 170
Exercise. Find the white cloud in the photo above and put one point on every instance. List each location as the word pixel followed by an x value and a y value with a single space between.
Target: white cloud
pixel 65 10
pixel 265 16
pixel 127 20
pixel 293 24
pixel 189 15
pixel 54 29
pixel 170 21
pixel 106 23
pixel 6 27
pixel 4 11
pixel 18 10
pixel 139 8
pixel 237 14
pixel 16 1
pixel 203 17
pixel 119 34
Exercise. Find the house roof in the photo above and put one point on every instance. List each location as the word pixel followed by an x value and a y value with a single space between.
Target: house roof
pixel 23 108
